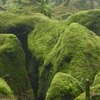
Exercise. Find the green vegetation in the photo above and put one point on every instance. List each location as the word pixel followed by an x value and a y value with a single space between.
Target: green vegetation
pixel 75 53
pixel 12 62
pixel 60 55
pixel 45 9
pixel 63 86
pixel 89 19
pixel 5 91
pixel 94 93
pixel 97 79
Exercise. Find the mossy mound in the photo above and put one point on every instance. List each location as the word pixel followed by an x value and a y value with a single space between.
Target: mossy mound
pixel 76 52
pixel 42 39
pixel 5 91
pixel 89 19
pixel 15 23
pixel 12 63
pixel 63 86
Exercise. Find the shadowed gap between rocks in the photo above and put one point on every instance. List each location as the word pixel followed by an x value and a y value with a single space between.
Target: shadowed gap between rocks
pixel 31 62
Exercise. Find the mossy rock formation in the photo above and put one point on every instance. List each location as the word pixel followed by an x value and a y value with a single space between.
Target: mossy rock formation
pixel 89 19
pixel 5 92
pixel 12 63
pixel 66 47
pixel 63 86
pixel 76 52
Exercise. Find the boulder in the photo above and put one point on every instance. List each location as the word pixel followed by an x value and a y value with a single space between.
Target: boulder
pixel 12 63
pixel 63 87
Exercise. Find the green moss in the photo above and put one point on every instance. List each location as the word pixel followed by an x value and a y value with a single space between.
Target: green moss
pixel 66 15
pixel 89 19
pixel 14 22
pixel 76 52
pixel 42 39
pixel 97 79
pixel 5 91
pixel 94 93
pixel 57 46
pixel 46 10
pixel 12 62
pixel 63 86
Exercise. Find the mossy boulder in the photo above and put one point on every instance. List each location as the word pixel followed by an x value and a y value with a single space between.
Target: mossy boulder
pixel 15 23
pixel 41 42
pixel 89 19
pixel 5 92
pixel 76 53
pixel 55 46
pixel 12 63
pixel 63 86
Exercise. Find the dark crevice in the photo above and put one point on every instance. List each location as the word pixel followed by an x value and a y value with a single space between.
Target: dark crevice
pixel 31 62
pixel 49 66
pixel 67 97
pixel 68 58
pixel 21 34
pixel 33 73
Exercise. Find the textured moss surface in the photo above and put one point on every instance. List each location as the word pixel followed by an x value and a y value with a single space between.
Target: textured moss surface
pixel 12 63
pixel 94 93
pixel 71 49
pixel 63 86
pixel 5 92
pixel 89 19
pixel 66 47
pixel 43 38
pixel 76 53
pixel 97 79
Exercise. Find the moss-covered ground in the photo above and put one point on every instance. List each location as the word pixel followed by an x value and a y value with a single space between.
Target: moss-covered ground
pixel 59 50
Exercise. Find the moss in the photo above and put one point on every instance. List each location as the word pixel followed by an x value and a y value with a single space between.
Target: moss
pixel 66 15
pixel 5 92
pixel 24 25
pixel 63 86
pixel 75 49
pixel 42 39
pixel 45 9
pixel 76 52
pixel 56 46
pixel 12 62
pixel 97 79
pixel 94 93
pixel 89 19
pixel 14 21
